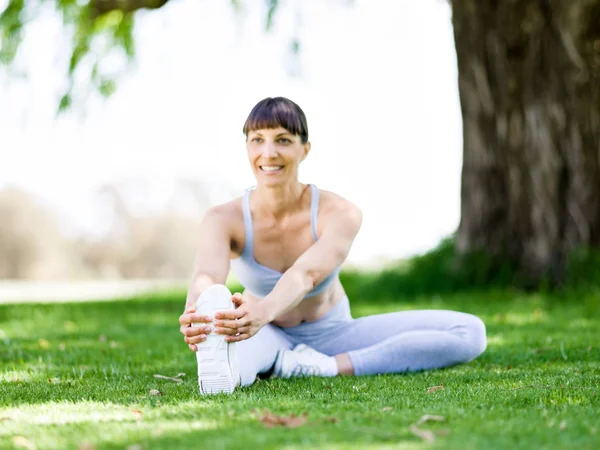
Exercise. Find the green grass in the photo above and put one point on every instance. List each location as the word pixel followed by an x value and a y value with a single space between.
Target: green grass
pixel 79 376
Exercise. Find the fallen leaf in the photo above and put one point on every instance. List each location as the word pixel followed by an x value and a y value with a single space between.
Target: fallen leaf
pixel 102 338
pixel 387 408
pixel 435 388
pixel 175 378
pixel 155 392
pixel 428 417
pixel 113 344
pixel 2 419
pixel 137 413
pixel 23 442
pixel 331 420
pixel 508 367
pixel 134 447
pixel 87 446
pixel 563 425
pixel 270 420
pixel 426 435
pixel 62 346
pixel 44 343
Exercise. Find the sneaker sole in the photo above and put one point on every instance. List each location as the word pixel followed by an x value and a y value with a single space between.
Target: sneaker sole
pixel 215 356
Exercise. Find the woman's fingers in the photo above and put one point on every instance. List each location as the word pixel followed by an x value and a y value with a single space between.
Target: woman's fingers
pixel 194 331
pixel 231 314
pixel 231 323
pixel 237 338
pixel 188 318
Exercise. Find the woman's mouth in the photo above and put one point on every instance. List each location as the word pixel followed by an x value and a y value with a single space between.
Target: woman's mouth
pixel 271 169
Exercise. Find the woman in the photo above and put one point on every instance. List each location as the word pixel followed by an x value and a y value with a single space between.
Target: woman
pixel 286 241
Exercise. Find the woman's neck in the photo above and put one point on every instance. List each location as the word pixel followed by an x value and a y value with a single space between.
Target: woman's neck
pixel 278 200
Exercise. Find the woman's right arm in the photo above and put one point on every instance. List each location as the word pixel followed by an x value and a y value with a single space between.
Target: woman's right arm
pixel 211 266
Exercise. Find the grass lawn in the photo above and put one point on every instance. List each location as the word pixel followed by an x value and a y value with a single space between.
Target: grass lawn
pixel 81 376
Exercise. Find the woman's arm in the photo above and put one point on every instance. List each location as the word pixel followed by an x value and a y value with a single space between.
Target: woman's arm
pixel 211 266
pixel 341 225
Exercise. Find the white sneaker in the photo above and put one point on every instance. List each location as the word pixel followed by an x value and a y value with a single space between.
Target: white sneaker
pixel 303 361
pixel 217 359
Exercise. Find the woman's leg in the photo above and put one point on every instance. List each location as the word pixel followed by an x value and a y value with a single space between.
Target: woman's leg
pixel 257 355
pixel 404 341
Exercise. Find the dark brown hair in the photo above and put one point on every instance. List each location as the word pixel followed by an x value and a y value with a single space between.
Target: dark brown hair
pixel 274 112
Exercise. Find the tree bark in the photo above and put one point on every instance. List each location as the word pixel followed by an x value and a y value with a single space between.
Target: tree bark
pixel 529 84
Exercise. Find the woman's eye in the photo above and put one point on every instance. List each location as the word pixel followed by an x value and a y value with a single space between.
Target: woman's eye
pixel 285 141
pixel 256 140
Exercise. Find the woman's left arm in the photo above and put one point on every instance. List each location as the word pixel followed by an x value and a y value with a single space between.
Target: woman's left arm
pixel 341 224
pixel 340 227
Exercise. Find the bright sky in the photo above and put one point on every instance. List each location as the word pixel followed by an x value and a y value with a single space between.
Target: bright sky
pixel 378 83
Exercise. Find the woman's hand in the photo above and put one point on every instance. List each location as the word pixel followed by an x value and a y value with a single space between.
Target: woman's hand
pixel 243 322
pixel 193 334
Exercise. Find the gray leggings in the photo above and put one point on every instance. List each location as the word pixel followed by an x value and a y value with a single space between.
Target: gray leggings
pixel 384 343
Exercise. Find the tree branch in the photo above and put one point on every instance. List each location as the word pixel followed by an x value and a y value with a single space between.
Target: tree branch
pixel 99 7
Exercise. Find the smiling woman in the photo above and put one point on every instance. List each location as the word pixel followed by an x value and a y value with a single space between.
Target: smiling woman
pixel 277 138
pixel 286 241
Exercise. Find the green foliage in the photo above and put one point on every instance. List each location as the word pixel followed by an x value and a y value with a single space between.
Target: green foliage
pixel 94 37
pixel 11 30
pixel 80 376
pixel 583 269
pixel 443 270
pixel 272 8
pixel 439 271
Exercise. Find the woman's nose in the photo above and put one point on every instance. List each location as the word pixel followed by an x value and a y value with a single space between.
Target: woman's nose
pixel 269 150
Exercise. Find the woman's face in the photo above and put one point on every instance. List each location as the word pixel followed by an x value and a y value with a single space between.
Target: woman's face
pixel 275 155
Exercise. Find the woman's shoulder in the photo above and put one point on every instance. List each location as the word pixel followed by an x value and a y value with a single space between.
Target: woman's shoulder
pixel 335 206
pixel 331 201
pixel 228 212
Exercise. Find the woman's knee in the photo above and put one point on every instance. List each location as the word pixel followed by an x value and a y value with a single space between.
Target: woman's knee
pixel 476 332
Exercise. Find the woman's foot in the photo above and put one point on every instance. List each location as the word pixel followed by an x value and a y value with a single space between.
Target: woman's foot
pixel 217 359
pixel 304 361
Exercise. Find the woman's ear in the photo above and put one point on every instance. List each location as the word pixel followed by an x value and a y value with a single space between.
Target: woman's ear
pixel 306 151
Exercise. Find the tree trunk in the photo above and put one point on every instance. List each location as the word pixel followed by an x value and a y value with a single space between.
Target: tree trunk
pixel 529 83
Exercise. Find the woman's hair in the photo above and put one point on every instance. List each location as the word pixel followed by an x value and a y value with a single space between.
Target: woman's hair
pixel 274 112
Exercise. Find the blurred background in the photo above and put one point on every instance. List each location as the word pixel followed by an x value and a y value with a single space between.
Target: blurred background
pixel 120 124
pixel 114 188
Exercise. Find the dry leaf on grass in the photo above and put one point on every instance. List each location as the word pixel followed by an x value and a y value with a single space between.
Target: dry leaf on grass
pixel 563 425
pixel 23 442
pixel 87 446
pixel 387 408
pixel 270 420
pixel 176 378
pixel 44 343
pixel 155 392
pixel 428 417
pixel 137 413
pixel 426 435
pixel 435 388
pixel 134 447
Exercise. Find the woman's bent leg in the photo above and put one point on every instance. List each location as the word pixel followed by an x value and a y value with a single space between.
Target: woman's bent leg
pixel 407 341
pixel 257 355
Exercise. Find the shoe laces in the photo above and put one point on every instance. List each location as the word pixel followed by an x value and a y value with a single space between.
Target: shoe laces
pixel 305 370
